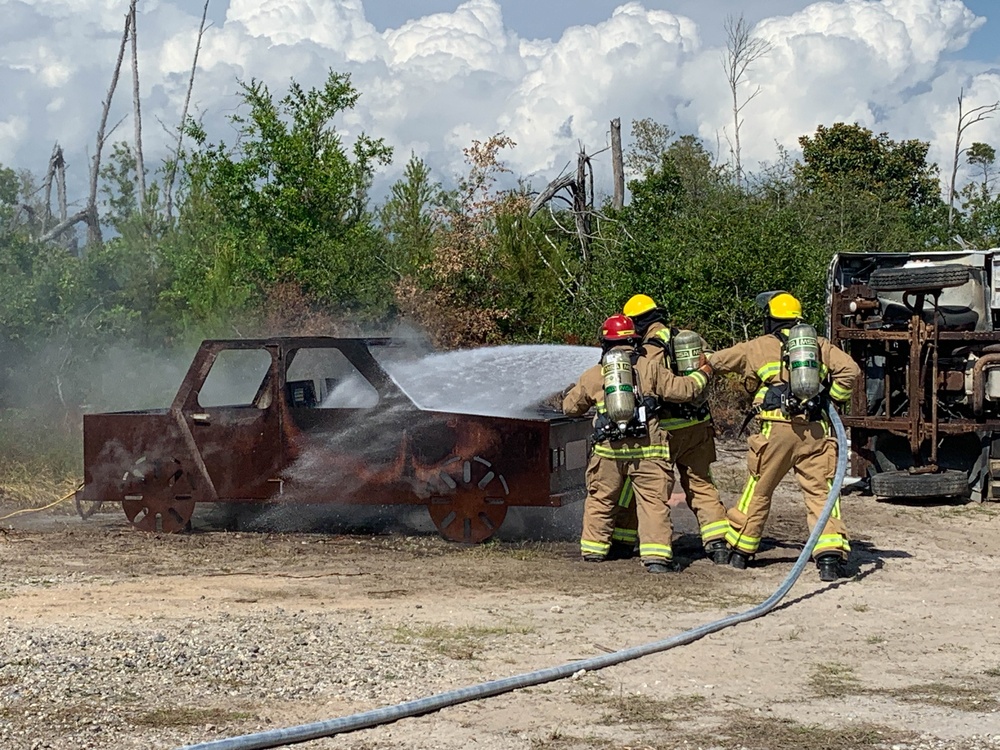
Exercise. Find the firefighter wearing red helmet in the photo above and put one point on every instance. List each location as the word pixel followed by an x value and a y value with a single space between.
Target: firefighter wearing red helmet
pixel 690 430
pixel 629 448
pixel 795 372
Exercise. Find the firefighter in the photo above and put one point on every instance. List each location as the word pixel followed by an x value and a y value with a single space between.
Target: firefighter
pixel 632 450
pixel 794 431
pixel 691 435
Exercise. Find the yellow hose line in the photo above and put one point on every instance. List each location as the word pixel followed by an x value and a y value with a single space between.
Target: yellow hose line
pixel 63 499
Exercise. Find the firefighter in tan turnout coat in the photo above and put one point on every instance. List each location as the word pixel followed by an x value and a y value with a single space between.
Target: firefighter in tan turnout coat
pixel 691 435
pixel 793 435
pixel 635 451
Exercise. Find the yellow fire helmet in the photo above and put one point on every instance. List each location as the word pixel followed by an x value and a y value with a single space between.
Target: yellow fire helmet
pixel 638 305
pixel 784 307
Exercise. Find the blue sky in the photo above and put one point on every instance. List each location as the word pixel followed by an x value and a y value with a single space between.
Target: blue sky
pixel 436 74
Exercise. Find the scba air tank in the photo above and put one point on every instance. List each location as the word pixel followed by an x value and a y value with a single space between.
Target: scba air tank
pixel 619 386
pixel 687 352
pixel 803 362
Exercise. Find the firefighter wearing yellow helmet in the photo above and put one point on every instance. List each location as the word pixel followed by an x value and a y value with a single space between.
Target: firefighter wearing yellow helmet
pixel 630 450
pixel 794 371
pixel 689 426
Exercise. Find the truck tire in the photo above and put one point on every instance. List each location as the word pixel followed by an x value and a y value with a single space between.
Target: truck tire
pixel 927 278
pixel 893 484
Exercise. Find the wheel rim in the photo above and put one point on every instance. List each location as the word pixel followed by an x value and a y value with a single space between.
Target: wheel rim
pixel 166 515
pixel 476 505
pixel 158 496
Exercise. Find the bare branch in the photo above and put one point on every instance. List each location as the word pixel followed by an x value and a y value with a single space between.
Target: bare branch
pixel 65 224
pixel 559 183
pixel 172 171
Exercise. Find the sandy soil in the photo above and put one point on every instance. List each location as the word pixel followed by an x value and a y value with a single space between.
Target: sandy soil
pixel 905 654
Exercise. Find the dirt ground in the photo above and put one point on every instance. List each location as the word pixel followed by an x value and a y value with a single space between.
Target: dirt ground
pixel 112 638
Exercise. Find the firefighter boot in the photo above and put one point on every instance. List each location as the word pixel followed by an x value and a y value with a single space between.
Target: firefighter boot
pixel 738 560
pixel 593 558
pixel 831 567
pixel 666 566
pixel 718 551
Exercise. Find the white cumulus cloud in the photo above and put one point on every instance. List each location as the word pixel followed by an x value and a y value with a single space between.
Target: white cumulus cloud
pixel 436 82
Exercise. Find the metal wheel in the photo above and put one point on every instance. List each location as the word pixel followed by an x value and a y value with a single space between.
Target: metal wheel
pixel 473 504
pixel 166 515
pixel 158 496
pixel 86 508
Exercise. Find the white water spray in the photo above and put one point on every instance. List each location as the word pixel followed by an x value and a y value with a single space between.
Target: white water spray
pixel 501 381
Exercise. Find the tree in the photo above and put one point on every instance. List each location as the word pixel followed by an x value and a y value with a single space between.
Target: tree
pixel 411 217
pixel 288 203
pixel 852 157
pixel 983 156
pixel 965 121
pixel 650 140
pixel 742 51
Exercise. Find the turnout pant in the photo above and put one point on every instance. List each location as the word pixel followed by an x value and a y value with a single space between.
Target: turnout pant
pixel 650 480
pixel 692 450
pixel 806 448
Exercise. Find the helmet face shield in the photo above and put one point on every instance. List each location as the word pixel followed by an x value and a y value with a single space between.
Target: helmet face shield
pixel 779 305
pixel 762 299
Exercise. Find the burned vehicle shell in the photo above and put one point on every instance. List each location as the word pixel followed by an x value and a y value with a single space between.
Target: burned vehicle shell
pixel 318 420
pixel 925 329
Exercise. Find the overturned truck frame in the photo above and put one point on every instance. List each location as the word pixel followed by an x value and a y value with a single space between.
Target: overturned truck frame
pixel 319 420
pixel 925 329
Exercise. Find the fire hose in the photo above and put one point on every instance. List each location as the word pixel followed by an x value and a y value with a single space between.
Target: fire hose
pixel 420 706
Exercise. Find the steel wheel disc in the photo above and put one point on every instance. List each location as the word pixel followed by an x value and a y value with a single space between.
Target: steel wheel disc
pixel 476 505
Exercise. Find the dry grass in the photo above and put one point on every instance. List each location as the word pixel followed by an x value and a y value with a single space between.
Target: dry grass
pixel 834 681
pixel 27 485
pixel 458 642
pixel 768 733
pixel 186 716
pixel 648 711
pixel 977 698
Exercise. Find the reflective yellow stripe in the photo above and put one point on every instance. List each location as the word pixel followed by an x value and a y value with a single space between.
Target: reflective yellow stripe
pixel 588 547
pixel 831 543
pixel 656 550
pixel 680 423
pixel 629 454
pixel 714 530
pixel 839 392
pixel 625 535
pixel 744 501
pixel 700 377
pixel 627 493
pixel 772 415
pixel 747 544
pixel 769 370
pixel 765 429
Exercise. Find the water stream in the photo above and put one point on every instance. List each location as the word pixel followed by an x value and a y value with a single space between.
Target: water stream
pixel 503 381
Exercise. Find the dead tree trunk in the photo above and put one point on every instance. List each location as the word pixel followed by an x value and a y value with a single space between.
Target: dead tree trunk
pixel 172 168
pixel 581 212
pixel 742 50
pixel 617 164
pixel 140 168
pixel 977 114
pixel 94 236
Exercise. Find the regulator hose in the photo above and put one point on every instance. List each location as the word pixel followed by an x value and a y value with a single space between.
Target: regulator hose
pixel 376 717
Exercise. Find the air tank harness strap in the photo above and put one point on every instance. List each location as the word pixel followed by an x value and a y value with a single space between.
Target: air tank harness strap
pixel 606 430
